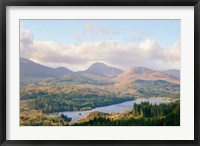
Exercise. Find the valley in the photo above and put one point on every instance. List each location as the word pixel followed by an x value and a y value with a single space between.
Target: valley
pixel 45 92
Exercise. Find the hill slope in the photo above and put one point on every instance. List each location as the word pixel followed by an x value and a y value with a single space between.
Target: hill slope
pixel 173 72
pixel 102 70
pixel 31 69
pixel 135 73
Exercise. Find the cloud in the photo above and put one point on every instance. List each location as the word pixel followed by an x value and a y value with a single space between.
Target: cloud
pixel 26 37
pixel 92 29
pixel 173 54
pixel 151 49
pixel 26 40
pixel 78 57
pixel 138 37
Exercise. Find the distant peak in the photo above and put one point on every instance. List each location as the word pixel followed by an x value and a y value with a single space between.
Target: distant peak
pixel 99 64
pixel 102 69
pixel 63 69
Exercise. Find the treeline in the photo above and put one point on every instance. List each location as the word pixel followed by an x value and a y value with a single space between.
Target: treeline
pixel 74 102
pixel 24 95
pixel 147 110
pixel 157 88
pixel 145 114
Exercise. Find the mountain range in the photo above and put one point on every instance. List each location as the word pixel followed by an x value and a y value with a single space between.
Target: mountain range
pixel 60 89
pixel 31 69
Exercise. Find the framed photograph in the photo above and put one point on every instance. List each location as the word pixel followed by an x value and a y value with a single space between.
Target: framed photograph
pixel 99 72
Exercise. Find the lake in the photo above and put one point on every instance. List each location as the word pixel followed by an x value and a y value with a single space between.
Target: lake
pixel 115 108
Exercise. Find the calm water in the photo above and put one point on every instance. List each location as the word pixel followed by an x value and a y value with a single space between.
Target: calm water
pixel 116 108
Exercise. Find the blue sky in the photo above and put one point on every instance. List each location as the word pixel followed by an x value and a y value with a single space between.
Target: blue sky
pixel 165 32
pixel 76 44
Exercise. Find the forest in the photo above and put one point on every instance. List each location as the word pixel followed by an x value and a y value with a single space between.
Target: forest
pixel 145 114
pixel 76 102
pixel 157 88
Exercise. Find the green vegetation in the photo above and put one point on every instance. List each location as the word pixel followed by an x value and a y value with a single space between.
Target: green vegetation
pixel 157 88
pixel 70 79
pixel 41 98
pixel 40 119
pixel 145 114
pixel 65 118
pixel 56 98
pixel 51 103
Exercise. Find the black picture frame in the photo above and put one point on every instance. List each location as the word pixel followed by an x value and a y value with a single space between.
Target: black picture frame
pixel 5 3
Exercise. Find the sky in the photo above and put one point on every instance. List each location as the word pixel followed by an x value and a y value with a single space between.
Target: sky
pixel 76 44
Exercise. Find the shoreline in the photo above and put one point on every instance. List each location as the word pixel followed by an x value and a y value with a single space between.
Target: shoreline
pixel 117 108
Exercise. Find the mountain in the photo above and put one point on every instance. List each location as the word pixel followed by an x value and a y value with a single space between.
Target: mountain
pixel 135 73
pixel 173 72
pixel 97 73
pixel 63 70
pixel 102 70
pixel 31 69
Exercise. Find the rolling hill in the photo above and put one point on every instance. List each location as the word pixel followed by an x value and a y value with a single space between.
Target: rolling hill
pixel 59 89
pixel 135 73
pixel 173 72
